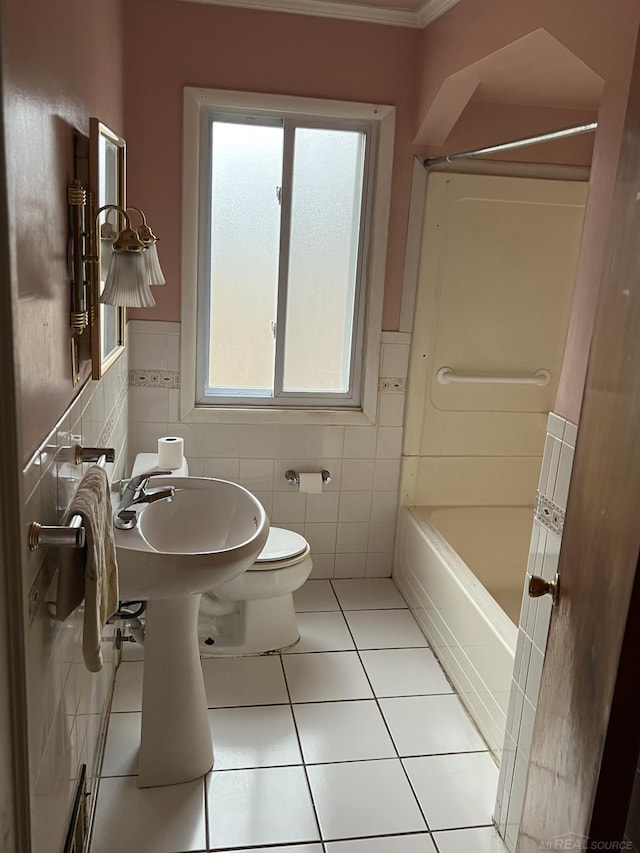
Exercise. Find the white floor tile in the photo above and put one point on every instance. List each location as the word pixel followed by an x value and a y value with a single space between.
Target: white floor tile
pixel 430 725
pixel 326 677
pixel 264 806
pixel 315 595
pixel 384 629
pixel 322 632
pixel 455 790
pixel 297 848
pixel 244 681
pixel 404 672
pixel 123 743
pixel 127 694
pixel 484 840
pixel 363 798
pixel 127 817
pixel 256 736
pixel 342 731
pixel 421 843
pixel 257 796
pixel 368 594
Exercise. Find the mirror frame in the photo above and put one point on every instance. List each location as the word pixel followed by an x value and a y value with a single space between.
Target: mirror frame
pixel 101 360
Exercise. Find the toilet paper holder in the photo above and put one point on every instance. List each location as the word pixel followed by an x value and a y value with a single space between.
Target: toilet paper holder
pixel 292 477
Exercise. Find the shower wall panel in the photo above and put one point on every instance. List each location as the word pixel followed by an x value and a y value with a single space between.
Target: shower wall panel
pixel 495 287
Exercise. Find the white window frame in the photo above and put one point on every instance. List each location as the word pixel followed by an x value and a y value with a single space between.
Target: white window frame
pixel 197 100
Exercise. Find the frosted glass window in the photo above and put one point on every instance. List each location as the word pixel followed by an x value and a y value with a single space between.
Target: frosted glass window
pixel 323 257
pixel 283 237
pixel 246 176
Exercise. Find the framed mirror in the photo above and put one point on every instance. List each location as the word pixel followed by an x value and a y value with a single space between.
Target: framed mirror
pixel 107 177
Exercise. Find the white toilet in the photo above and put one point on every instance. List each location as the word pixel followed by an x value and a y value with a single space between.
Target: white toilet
pixel 254 613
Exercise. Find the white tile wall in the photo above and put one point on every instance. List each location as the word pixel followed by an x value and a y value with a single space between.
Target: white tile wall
pixel 535 616
pixel 351 525
pixel 67 703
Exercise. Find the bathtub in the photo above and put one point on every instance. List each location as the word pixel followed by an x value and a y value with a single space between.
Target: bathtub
pixel 462 571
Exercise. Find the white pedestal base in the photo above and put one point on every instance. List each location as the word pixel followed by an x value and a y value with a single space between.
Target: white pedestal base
pixel 176 740
pixel 261 626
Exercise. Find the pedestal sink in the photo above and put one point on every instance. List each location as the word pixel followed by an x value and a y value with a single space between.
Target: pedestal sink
pixel 208 533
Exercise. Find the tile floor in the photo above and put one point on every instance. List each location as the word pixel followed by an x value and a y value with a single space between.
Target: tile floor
pixel 351 742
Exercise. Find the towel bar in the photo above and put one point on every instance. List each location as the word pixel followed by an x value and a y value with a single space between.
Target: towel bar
pixel 70 535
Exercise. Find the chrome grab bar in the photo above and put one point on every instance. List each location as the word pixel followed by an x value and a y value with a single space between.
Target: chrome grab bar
pixel 446 375
pixel 71 535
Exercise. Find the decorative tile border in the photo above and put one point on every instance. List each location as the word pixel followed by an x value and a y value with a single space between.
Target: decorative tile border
pixel 392 385
pixel 549 514
pixel 154 378
pixel 139 378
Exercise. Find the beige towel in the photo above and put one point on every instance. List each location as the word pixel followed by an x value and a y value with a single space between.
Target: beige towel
pixel 91 573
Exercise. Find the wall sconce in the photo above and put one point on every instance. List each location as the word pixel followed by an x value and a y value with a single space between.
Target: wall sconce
pixel 133 264
pixel 112 264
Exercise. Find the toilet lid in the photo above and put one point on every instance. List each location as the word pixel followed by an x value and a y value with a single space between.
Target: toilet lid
pixel 282 545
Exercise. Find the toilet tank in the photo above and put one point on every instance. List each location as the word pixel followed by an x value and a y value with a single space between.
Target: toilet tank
pixel 145 462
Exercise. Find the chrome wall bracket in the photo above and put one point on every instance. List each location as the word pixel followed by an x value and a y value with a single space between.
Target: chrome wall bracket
pixel 293 478
pixel 71 535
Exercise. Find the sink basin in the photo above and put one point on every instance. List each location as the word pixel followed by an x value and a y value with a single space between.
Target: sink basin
pixel 210 532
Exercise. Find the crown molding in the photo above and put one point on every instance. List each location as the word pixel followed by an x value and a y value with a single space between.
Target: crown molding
pixel 432 9
pixel 326 9
pixel 428 12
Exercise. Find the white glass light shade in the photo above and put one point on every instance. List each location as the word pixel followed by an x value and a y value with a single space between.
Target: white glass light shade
pixel 106 251
pixel 127 283
pixel 152 263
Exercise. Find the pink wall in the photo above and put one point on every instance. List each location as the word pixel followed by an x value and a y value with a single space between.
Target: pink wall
pixel 62 64
pixel 215 46
pixel 602 37
pixel 169 45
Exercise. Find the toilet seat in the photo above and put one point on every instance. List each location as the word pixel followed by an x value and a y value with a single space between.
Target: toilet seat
pixel 283 547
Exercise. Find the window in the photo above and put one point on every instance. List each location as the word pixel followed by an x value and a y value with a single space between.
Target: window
pixel 283 273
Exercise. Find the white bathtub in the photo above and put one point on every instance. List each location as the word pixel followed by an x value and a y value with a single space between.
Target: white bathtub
pixel 462 571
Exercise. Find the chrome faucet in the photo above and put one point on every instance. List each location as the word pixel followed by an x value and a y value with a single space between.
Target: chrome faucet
pixel 135 495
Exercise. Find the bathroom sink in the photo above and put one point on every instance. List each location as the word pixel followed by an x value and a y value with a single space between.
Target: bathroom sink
pixel 210 531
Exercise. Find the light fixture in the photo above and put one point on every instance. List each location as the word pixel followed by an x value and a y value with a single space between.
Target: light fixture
pixel 79 320
pixel 149 239
pixel 127 283
pixel 108 236
pixel 129 255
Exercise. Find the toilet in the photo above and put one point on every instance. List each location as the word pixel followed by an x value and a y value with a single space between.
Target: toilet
pixel 254 613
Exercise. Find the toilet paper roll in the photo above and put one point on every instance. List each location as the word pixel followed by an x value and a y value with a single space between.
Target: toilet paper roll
pixel 170 452
pixel 311 483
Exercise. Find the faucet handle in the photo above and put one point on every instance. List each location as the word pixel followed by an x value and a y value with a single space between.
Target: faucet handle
pixel 159 473
pixel 142 483
pixel 137 482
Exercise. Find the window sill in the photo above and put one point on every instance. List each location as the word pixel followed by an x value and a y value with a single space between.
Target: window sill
pixel 272 415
